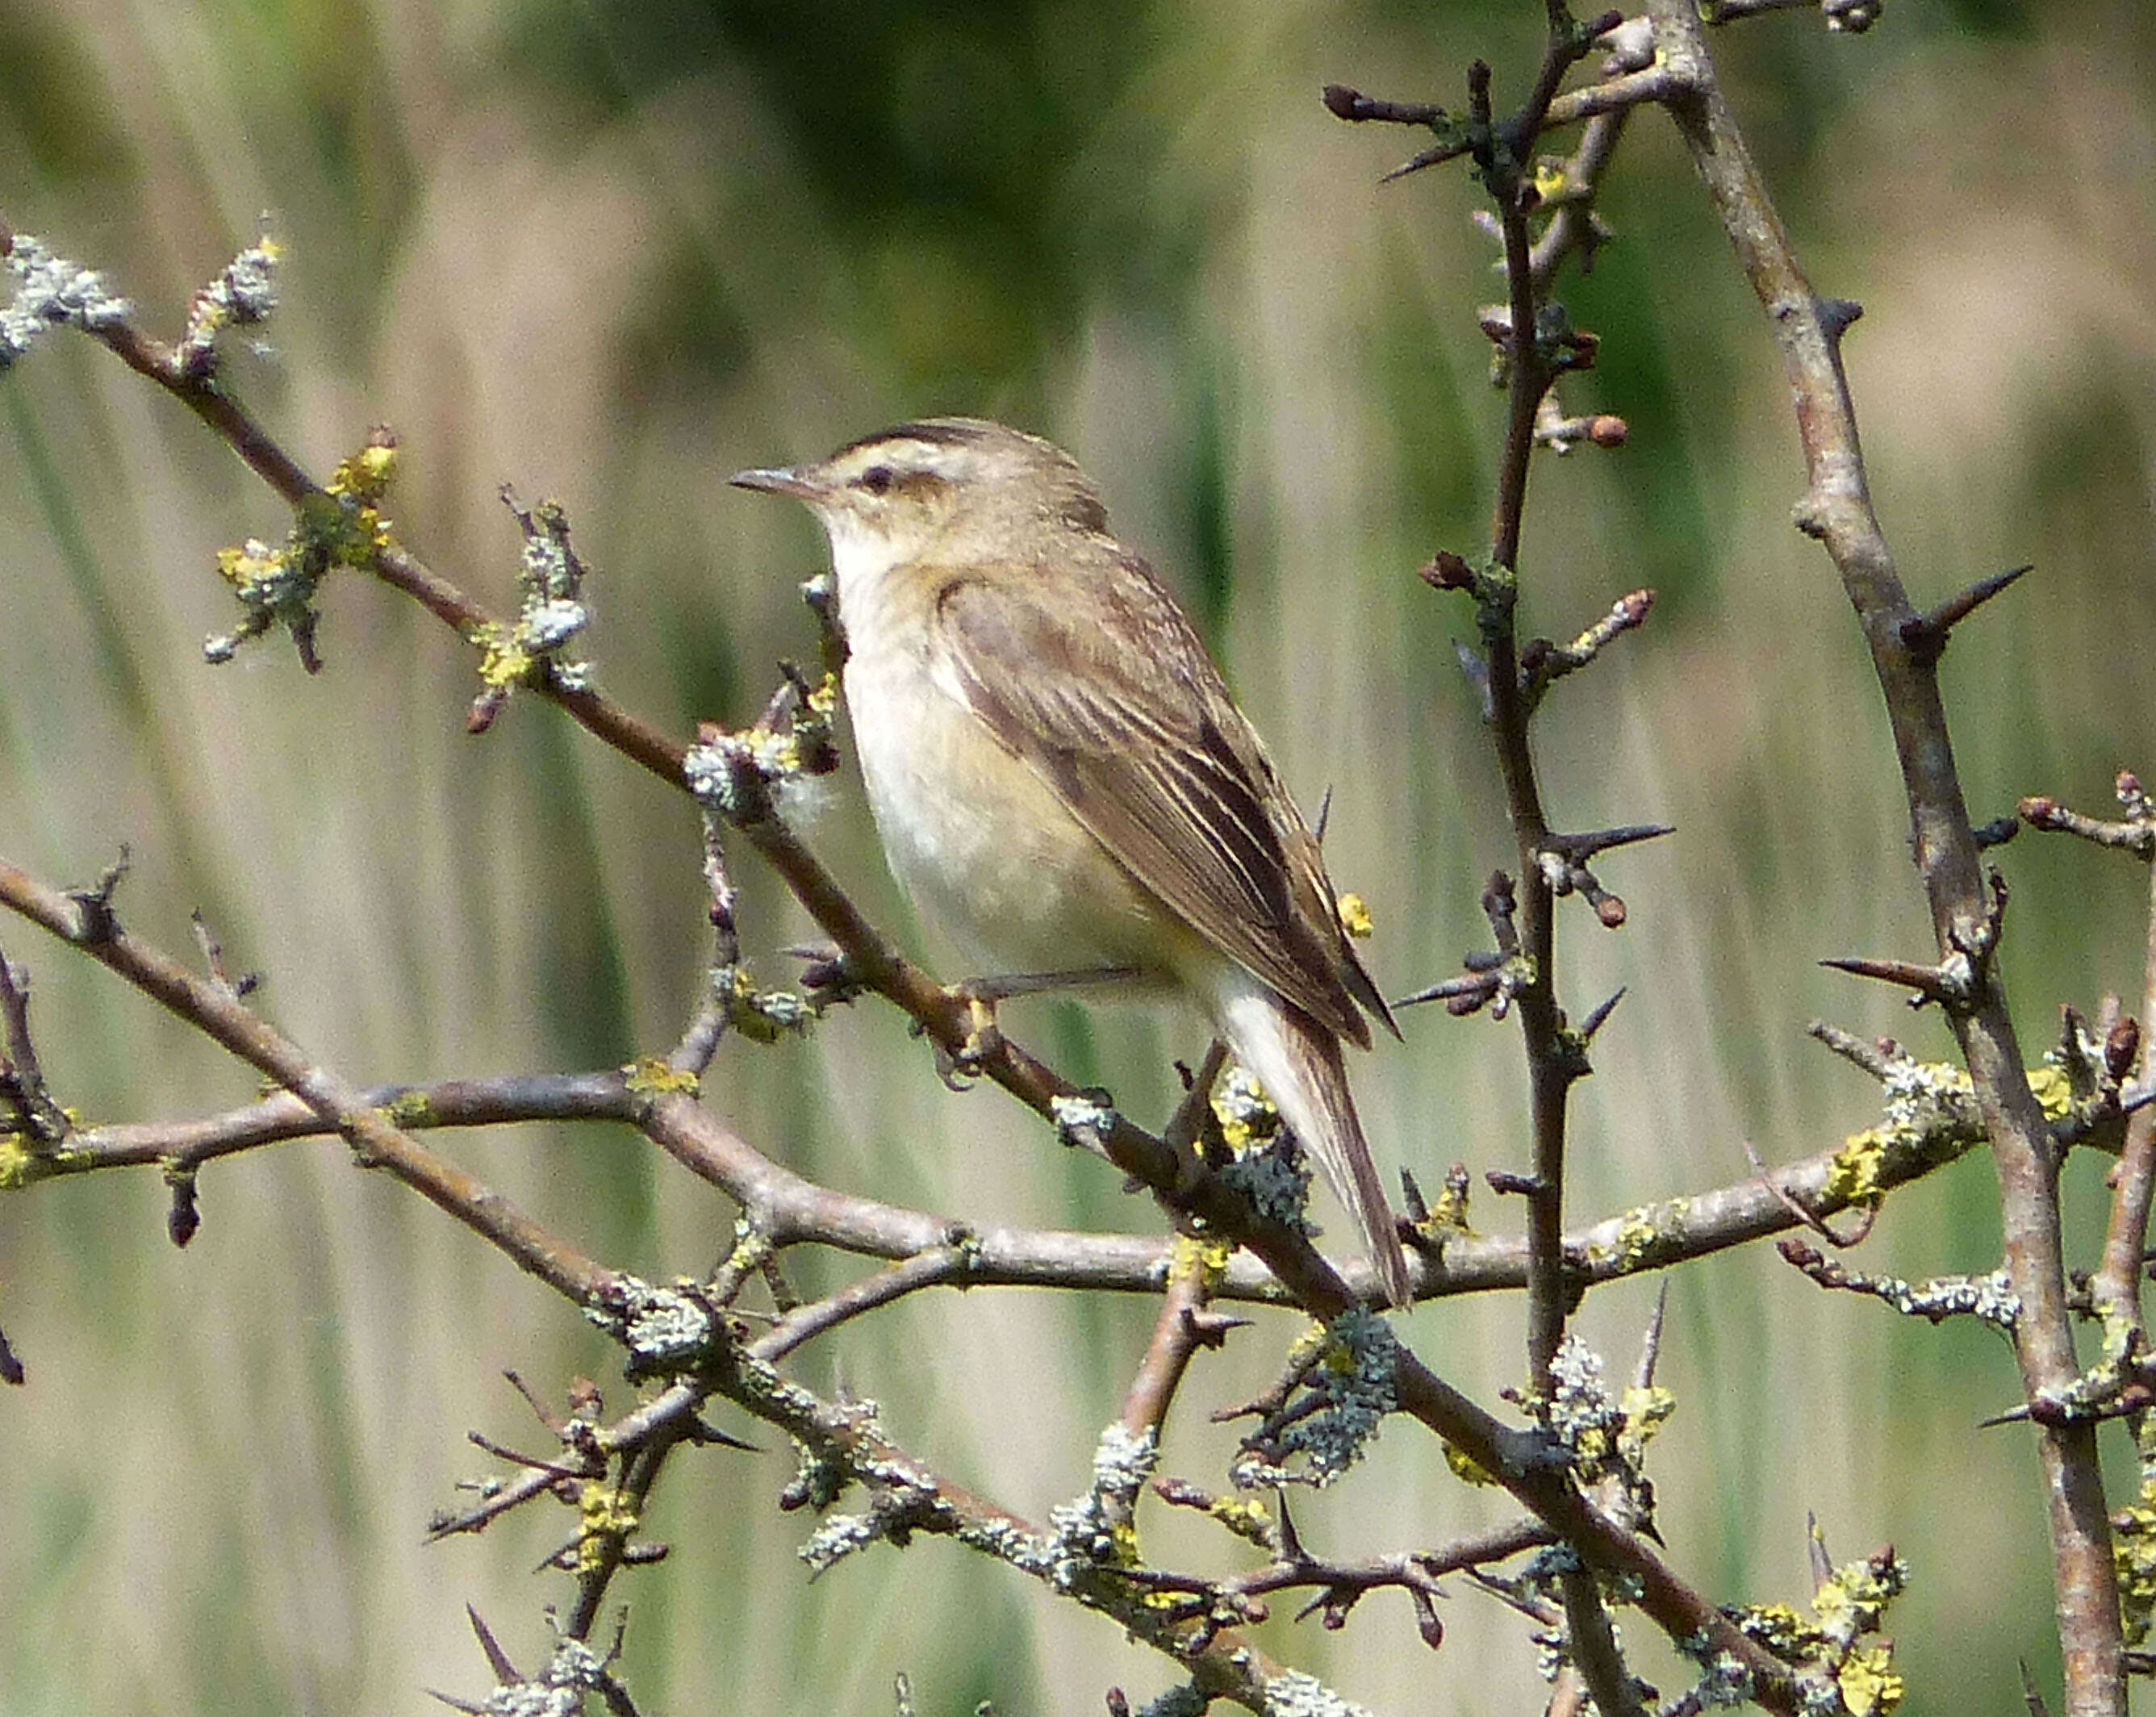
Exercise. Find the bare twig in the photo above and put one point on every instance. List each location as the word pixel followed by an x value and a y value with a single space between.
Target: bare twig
pixel 1183 1327
pixel 37 1120
pixel 206 1005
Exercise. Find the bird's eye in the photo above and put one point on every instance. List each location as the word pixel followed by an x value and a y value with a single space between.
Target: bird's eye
pixel 877 479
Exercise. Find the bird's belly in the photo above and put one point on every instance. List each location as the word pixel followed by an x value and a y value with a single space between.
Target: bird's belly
pixel 987 849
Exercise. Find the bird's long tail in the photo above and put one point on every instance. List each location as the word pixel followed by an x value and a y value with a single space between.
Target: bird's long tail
pixel 1298 1062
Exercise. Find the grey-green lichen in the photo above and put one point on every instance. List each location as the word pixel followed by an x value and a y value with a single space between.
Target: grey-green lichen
pixel 1184 1700
pixel 1605 1433
pixel 1247 1116
pixel 1355 1379
pixel 1093 1530
pixel 1292 1693
pixel 1084 1119
pixel 745 777
pixel 664 1329
pixel 1848 1676
pixel 1276 1183
pixel 1273 1179
pixel 900 1503
pixel 761 1016
pixel 243 293
pixel 1725 1683
pixel 560 1691
pixel 837 1536
pixel 818 1478
pixel 528 651
pixel 47 291
pixel 1931 1117
pixel 1989 1297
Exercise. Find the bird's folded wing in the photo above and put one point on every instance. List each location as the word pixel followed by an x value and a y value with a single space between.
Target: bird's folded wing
pixel 1126 717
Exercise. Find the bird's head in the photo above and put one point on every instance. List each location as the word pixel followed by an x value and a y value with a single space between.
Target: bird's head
pixel 945 489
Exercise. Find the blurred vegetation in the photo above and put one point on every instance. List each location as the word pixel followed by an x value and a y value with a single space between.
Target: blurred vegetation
pixel 615 252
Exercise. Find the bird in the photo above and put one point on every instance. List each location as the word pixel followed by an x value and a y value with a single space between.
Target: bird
pixel 1061 777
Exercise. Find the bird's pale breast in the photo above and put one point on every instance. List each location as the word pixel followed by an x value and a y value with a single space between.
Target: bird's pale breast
pixel 983 846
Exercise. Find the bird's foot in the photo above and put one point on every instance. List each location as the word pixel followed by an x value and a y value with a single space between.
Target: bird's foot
pixel 983 1037
pixel 959 1067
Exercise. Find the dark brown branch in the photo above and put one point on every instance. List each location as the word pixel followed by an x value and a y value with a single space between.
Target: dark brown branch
pixel 1837 511
pixel 1554 1061
pixel 1342 102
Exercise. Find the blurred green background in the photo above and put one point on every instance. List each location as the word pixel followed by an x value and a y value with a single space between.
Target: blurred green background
pixel 612 252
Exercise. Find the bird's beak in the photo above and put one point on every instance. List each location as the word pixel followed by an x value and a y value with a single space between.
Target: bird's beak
pixel 779 481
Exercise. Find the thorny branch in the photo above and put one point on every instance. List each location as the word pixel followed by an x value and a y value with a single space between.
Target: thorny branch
pixel 1837 511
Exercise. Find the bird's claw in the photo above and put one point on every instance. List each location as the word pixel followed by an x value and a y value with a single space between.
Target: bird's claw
pixel 959 1067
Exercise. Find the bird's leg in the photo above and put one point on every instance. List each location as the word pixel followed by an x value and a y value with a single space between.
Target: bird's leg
pixel 982 994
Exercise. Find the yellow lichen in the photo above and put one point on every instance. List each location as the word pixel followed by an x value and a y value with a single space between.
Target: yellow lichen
pixel 1355 917
pixel 24 1164
pixel 1646 1410
pixel 19 1164
pixel 1871 1687
pixel 1640 1231
pixel 1124 1544
pixel 365 475
pixel 2054 1090
pixel 1448 1210
pixel 1248 1119
pixel 752 1246
pixel 607 1517
pixel 1778 1628
pixel 2133 1549
pixel 1206 1258
pixel 1852 1175
pixel 503 660
pixel 761 1016
pixel 650 1077
pixel 1465 1467
pixel 250 563
pixel 1245 1518
pixel 409 1109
